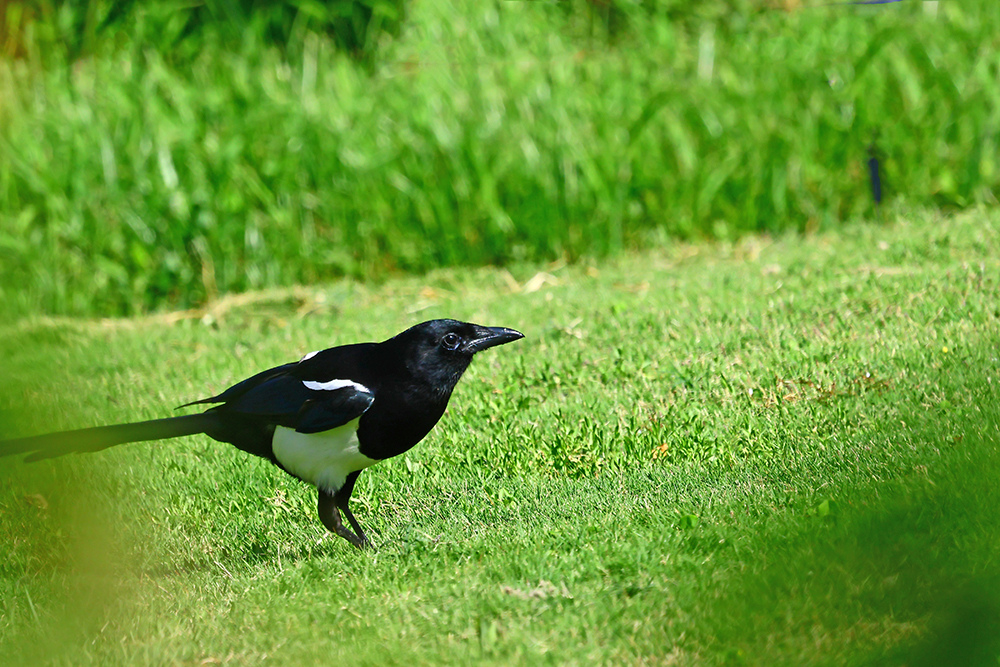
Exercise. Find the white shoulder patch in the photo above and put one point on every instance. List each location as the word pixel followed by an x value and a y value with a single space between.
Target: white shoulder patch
pixel 308 355
pixel 334 384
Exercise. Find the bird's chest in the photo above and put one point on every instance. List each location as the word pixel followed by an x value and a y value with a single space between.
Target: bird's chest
pixel 397 422
pixel 323 459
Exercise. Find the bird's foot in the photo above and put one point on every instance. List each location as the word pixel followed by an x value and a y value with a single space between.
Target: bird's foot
pixel 360 542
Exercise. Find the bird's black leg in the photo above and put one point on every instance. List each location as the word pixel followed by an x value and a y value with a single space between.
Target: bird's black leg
pixel 330 507
pixel 342 504
pixel 329 514
pixel 343 497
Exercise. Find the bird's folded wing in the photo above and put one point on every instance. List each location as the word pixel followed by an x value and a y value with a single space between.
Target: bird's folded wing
pixel 243 387
pixel 324 413
pixel 289 402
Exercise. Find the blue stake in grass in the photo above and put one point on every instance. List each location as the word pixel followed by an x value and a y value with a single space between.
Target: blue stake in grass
pixel 863 2
pixel 873 173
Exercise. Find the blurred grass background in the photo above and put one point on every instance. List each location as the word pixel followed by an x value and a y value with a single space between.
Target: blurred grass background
pixel 155 155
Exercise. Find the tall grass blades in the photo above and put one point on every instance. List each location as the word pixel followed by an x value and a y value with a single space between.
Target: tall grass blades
pixel 134 179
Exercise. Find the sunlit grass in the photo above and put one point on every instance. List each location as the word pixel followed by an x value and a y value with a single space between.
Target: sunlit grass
pixel 778 451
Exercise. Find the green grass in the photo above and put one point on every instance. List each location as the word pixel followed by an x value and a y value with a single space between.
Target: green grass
pixel 777 451
pixel 137 179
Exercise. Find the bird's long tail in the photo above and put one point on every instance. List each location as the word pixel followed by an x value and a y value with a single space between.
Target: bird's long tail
pixel 46 446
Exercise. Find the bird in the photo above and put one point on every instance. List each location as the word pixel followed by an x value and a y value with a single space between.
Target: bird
pixel 322 419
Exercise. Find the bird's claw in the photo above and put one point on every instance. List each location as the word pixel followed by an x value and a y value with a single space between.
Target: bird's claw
pixel 360 542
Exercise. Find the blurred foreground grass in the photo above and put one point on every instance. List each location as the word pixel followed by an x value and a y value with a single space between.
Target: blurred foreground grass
pixel 777 451
pixel 150 174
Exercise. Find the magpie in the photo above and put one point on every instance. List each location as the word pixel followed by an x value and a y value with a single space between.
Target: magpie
pixel 322 419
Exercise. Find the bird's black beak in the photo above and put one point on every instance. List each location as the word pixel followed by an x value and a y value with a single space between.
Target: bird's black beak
pixel 491 337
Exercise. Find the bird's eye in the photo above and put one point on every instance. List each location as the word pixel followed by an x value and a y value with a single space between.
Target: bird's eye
pixel 451 341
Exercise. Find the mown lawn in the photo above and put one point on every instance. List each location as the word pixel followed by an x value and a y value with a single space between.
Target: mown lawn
pixel 781 451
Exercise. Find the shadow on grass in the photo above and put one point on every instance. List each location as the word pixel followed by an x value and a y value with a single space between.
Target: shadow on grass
pixel 899 572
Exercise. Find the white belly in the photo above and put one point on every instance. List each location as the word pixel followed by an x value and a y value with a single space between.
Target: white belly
pixel 324 459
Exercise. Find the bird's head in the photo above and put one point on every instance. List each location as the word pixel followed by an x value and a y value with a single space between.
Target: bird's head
pixel 439 351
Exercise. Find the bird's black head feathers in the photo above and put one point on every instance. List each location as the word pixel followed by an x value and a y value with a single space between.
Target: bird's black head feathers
pixel 439 351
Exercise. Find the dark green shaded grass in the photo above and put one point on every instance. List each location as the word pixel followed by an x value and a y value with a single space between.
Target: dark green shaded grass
pixel 487 134
pixel 606 491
